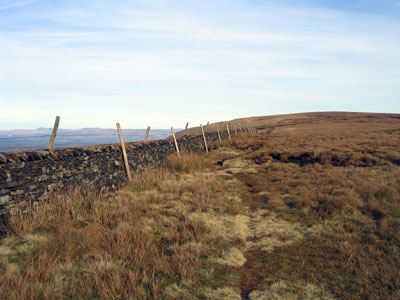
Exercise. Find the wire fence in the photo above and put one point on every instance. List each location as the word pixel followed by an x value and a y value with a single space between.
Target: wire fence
pixel 84 135
pixel 41 141
pixel 88 136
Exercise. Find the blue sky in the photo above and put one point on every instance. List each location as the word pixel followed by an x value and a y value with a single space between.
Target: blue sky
pixel 164 63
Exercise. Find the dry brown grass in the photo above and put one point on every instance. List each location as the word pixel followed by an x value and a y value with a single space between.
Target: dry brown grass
pixel 332 189
pixel 310 211
pixel 186 163
pixel 137 243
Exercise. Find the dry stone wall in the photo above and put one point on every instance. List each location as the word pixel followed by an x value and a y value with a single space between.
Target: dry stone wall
pixel 36 175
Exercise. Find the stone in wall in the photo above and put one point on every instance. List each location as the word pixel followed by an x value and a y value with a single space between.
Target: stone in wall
pixel 36 175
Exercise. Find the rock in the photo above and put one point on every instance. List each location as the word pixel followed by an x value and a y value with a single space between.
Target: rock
pixel 3 159
pixel 8 185
pixel 5 199
pixel 13 157
pixel 36 156
pixel 53 155
pixel 23 157
pixel 18 192
pixel 37 174
pixel 87 152
pixel 43 177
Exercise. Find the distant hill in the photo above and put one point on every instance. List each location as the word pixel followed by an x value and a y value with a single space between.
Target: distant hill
pixel 27 139
pixel 310 210
pixel 267 123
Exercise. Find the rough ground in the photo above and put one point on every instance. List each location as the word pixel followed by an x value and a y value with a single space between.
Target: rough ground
pixel 310 210
pixel 320 192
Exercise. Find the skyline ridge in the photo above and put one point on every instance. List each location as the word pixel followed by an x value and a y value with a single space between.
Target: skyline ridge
pixel 168 62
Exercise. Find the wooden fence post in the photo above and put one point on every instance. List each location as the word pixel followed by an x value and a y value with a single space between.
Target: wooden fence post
pixel 54 133
pixel 204 138
pixel 227 129
pixel 176 143
pixel 146 137
pixel 121 138
pixel 234 129
pixel 219 136
pixel 186 128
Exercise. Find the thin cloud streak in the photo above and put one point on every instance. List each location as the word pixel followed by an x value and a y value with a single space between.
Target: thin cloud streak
pixel 14 3
pixel 177 60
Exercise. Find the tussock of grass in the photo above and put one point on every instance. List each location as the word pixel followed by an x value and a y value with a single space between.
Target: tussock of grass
pixel 282 290
pixel 225 228
pixel 239 165
pixel 232 257
pixel 311 211
pixel 332 224
pixel 227 293
pixel 133 243
pixel 186 163
pixel 148 180
pixel 271 232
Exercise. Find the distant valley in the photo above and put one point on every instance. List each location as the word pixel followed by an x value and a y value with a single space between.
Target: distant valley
pixel 25 139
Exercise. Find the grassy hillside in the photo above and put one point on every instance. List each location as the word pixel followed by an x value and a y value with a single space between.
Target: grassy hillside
pixel 309 211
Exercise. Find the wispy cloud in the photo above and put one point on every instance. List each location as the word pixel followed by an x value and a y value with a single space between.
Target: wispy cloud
pixel 194 60
pixel 7 4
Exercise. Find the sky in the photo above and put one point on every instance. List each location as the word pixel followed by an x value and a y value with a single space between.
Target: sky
pixel 163 63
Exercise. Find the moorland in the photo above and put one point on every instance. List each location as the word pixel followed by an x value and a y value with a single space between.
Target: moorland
pixel 308 208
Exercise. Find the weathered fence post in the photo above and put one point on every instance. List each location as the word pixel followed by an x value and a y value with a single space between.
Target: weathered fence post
pixel 128 170
pixel 54 133
pixel 204 138
pixel 186 128
pixel 227 129
pixel 146 137
pixel 176 143
pixel 219 136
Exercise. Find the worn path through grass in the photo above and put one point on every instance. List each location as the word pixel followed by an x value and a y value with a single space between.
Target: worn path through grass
pixel 319 224
pixel 302 213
